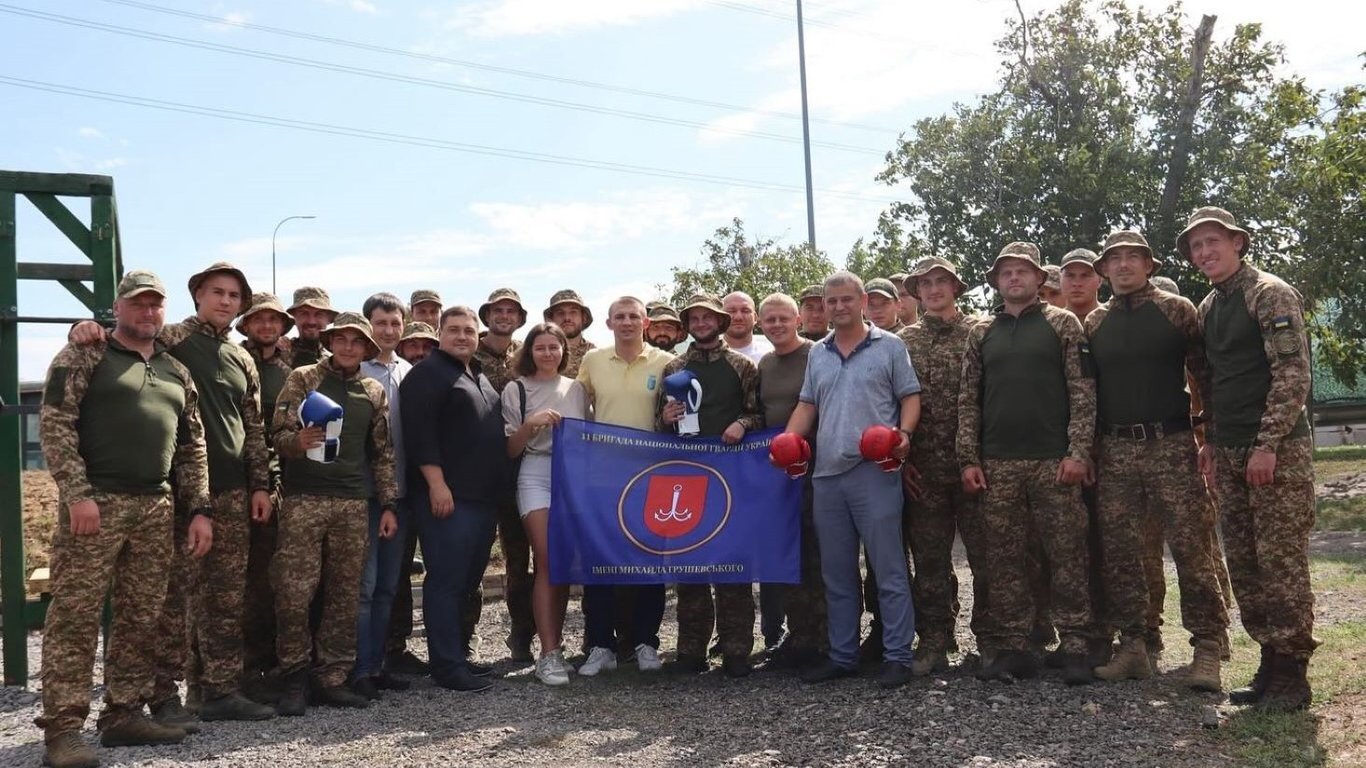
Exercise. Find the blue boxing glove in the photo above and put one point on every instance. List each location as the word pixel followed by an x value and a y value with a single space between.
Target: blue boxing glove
pixel 319 410
pixel 684 387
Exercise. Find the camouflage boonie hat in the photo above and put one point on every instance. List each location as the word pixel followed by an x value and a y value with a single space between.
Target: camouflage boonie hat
pixel 811 292
pixel 502 294
pixel 1052 277
pixel 1079 255
pixel 265 301
pixel 881 285
pixel 899 279
pixel 928 265
pixel 222 268
pixel 1165 284
pixel 710 303
pixel 1214 214
pixel 1027 252
pixel 660 312
pixel 424 295
pixel 140 281
pixel 352 321
pixel 1126 238
pixel 418 330
pixel 312 296
pixel 568 296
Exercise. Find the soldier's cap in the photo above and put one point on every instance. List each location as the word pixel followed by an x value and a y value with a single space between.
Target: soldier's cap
pixel 222 268
pixel 881 286
pixel 816 291
pixel 264 301
pixel 1054 277
pixel 502 294
pixel 1206 215
pixel 1166 284
pixel 1125 238
pixel 568 296
pixel 1021 251
pixel 312 296
pixel 709 303
pixel 929 264
pixel 899 279
pixel 351 321
pixel 140 281
pixel 422 295
pixel 1079 256
pixel 418 330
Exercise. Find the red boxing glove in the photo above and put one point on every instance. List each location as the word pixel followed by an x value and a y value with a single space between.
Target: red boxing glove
pixel 876 445
pixel 791 453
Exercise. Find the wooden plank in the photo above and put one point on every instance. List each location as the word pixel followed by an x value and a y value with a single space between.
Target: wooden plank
pixel 62 218
pixel 70 184
pixel 38 270
pixel 39 580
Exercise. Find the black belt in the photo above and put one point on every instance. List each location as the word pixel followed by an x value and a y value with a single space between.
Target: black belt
pixel 1147 431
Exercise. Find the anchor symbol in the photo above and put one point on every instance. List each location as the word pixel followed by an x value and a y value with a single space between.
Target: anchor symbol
pixel 674 513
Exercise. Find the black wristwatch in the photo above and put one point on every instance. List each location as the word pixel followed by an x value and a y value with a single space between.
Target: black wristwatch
pixel 202 512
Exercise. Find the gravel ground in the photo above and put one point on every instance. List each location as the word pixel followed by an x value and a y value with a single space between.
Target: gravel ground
pixel 625 718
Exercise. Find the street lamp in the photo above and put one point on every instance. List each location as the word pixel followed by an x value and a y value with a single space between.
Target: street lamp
pixel 272 246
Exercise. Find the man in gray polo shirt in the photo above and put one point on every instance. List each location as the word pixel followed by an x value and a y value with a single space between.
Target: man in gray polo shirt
pixel 856 377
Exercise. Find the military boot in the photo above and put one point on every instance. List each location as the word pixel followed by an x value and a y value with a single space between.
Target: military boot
pixel 170 712
pixel 929 662
pixel 1252 692
pixel 1007 666
pixel 294 698
pixel 341 696
pixel 1287 689
pixel 136 730
pixel 1076 669
pixel 234 706
pixel 1131 663
pixel 1203 672
pixel 68 750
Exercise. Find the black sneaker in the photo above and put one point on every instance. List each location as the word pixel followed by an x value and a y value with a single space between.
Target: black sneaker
pixel 387 682
pixel 826 670
pixel 365 686
pixel 894 674
pixel 477 669
pixel 405 663
pixel 736 666
pixel 342 696
pixel 460 679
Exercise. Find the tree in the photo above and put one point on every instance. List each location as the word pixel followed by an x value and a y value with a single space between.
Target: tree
pixel 886 253
pixel 733 261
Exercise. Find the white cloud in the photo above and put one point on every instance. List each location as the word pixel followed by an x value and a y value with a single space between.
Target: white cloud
pixel 579 226
pixel 361 6
pixel 89 132
pixel 229 20
pixel 510 18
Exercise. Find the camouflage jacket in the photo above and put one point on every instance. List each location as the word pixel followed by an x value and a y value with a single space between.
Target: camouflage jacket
pixel 272 373
pixel 497 367
pixel 253 452
pixel 1253 326
pixel 304 352
pixel 379 452
pixel 936 347
pixel 68 380
pixel 578 347
pixel 750 414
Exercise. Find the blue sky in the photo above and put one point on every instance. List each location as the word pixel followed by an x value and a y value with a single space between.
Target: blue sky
pixel 394 216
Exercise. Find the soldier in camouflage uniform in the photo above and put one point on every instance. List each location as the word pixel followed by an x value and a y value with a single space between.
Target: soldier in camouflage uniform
pixel 664 330
pixel 1026 424
pixel 503 314
pixel 1142 343
pixel 239 480
pixel 567 310
pixel 910 306
pixel 938 506
pixel 730 408
pixel 811 309
pixel 884 306
pixel 1051 290
pixel 263 325
pixel 117 417
pixel 312 310
pixel 413 346
pixel 325 511
pixel 425 307
pixel 1259 454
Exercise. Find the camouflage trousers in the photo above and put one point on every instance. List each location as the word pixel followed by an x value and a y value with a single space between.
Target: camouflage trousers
pixel 1154 542
pixel 1020 492
pixel 804 603
pixel 942 510
pixel 129 554
pixel 732 615
pixel 1143 480
pixel 1266 537
pixel 322 544
pixel 517 567
pixel 258 609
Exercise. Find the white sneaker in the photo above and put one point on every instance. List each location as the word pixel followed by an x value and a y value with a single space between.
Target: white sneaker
pixel 599 659
pixel 550 668
pixel 647 658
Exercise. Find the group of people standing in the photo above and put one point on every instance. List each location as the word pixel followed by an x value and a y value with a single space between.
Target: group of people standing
pixel 264 559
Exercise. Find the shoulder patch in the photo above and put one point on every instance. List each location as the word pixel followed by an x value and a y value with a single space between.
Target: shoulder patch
pixel 1280 323
pixel 1285 341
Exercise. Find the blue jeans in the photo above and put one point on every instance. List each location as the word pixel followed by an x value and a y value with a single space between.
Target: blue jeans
pixel 455 550
pixel 863 505
pixel 378 585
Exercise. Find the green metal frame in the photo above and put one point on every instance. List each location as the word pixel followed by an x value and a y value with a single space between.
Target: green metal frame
pixel 99 242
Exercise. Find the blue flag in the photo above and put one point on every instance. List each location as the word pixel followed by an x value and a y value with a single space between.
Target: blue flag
pixel 635 507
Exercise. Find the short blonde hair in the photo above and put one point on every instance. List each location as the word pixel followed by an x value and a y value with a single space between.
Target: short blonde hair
pixel 780 300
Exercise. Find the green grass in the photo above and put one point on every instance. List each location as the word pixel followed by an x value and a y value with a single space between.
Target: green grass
pixel 1341 515
pixel 1341 453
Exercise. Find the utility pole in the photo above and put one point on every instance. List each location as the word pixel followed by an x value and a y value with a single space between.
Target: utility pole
pixel 806 134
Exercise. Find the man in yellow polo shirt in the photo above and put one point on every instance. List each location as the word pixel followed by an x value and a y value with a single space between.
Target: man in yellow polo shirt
pixel 622 382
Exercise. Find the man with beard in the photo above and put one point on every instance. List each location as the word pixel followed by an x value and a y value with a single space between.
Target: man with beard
pixel 503 314
pixel 312 312
pixel 811 309
pixel 568 311
pixel 418 341
pixel 664 330
pixel 910 307
pixel 239 479
pixel 729 408
pixel 425 307
pixel 263 325
pixel 739 335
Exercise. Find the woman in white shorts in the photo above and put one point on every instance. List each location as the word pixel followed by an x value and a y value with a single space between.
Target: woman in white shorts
pixel 532 405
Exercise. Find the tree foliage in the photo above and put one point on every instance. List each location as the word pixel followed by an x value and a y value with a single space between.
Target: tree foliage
pixel 1083 133
pixel 734 260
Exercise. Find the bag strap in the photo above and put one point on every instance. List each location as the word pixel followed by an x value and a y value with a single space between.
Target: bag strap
pixel 521 390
